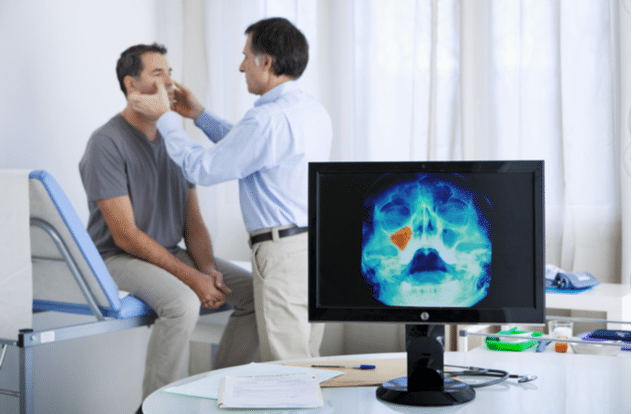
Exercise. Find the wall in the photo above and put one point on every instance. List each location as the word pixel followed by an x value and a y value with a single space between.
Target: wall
pixel 59 81
pixel 625 125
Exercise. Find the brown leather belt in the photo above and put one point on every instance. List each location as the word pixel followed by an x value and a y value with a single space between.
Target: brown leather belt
pixel 282 233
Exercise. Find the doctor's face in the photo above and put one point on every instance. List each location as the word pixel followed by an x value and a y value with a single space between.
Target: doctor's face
pixel 255 71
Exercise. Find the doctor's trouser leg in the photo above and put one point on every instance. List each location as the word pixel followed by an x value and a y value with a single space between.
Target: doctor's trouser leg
pixel 280 282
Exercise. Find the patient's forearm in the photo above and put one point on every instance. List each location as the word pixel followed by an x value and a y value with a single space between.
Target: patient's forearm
pixel 119 217
pixel 139 244
pixel 198 243
pixel 196 236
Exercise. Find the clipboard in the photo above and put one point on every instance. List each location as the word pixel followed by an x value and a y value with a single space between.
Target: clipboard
pixel 385 370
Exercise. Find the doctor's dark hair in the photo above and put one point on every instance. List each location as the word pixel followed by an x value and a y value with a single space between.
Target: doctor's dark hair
pixel 130 63
pixel 286 44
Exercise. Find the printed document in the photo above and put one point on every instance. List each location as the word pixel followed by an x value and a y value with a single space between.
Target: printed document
pixel 270 391
pixel 207 386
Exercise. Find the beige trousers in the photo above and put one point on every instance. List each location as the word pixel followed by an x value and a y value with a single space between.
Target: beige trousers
pixel 279 270
pixel 178 309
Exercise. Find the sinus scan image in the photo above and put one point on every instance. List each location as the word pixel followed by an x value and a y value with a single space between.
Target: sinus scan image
pixel 426 241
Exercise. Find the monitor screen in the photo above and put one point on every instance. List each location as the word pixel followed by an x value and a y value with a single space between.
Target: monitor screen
pixel 426 242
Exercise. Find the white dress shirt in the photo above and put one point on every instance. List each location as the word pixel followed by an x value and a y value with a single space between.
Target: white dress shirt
pixel 267 151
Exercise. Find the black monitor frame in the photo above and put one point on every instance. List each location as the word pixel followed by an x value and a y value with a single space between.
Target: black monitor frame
pixel 401 314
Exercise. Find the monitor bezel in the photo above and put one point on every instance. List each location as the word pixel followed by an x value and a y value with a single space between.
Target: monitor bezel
pixel 535 315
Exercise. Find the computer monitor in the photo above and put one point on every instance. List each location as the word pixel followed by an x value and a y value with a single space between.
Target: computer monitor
pixel 427 244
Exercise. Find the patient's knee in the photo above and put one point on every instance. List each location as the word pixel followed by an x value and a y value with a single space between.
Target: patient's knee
pixel 184 308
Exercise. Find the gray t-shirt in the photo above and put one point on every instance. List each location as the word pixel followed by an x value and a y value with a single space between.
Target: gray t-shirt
pixel 120 160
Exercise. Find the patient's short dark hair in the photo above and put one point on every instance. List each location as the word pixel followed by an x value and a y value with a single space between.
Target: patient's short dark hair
pixel 286 44
pixel 130 64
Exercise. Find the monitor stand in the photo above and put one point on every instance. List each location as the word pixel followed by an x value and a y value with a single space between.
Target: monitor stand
pixel 425 384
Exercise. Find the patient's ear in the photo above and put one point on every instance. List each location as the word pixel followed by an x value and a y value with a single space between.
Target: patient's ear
pixel 130 84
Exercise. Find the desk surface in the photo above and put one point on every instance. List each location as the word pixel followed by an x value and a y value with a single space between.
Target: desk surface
pixel 567 383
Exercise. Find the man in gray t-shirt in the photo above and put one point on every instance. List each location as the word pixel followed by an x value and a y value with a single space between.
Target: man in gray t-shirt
pixel 141 207
pixel 120 161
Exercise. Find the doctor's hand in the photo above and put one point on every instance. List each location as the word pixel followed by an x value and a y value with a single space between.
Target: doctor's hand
pixel 151 105
pixel 186 104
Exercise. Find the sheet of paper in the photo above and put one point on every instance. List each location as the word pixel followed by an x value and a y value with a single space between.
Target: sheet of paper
pixel 299 390
pixel 208 387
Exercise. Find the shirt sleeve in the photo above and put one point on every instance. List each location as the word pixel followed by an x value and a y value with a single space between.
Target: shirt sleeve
pixel 214 127
pixel 242 151
pixel 103 169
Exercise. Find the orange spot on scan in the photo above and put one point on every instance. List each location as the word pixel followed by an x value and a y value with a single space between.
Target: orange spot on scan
pixel 402 237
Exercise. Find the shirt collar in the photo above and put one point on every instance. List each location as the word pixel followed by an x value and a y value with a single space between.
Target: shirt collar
pixel 276 92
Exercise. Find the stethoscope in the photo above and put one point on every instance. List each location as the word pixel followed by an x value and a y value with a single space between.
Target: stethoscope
pixel 498 374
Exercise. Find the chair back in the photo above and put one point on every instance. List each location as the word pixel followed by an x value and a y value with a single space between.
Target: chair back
pixel 53 281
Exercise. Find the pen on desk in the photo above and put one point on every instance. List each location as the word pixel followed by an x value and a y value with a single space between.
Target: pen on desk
pixel 541 346
pixel 345 366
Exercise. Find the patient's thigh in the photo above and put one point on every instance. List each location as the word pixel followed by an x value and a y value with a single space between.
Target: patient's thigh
pixel 153 285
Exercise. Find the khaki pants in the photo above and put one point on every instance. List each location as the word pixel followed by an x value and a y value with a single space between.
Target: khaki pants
pixel 279 270
pixel 178 309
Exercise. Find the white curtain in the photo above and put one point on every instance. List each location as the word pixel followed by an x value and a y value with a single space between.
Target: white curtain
pixel 551 71
pixel 451 80
pixel 552 77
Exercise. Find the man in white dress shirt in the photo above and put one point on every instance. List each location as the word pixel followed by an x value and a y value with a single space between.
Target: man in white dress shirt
pixel 268 152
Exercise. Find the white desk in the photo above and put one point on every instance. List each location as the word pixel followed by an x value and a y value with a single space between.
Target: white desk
pixel 567 383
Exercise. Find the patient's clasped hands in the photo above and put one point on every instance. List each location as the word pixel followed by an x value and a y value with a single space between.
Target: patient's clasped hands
pixel 159 103
pixel 210 289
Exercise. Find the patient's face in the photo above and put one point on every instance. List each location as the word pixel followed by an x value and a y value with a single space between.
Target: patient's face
pixel 156 70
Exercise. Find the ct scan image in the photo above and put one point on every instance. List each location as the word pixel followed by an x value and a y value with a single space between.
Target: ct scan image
pixel 426 239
